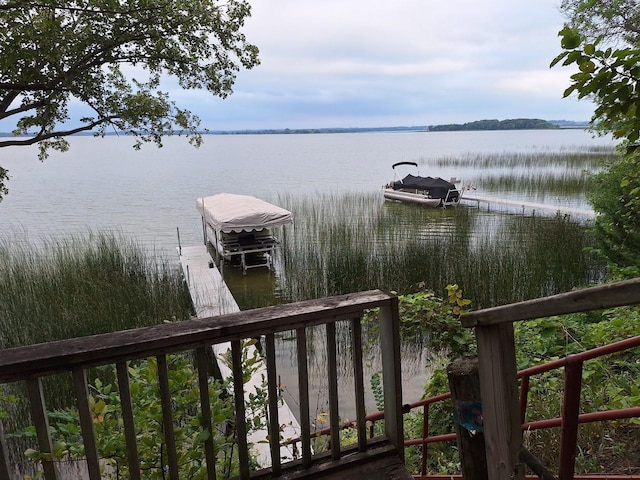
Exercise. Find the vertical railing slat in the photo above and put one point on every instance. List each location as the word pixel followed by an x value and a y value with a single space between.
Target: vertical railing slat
pixel 41 421
pixel 358 377
pixel 4 454
pixel 202 361
pixel 86 423
pixel 167 417
pixel 391 374
pixel 241 427
pixel 127 419
pixel 332 366
pixel 303 388
pixel 570 414
pixel 425 434
pixel 274 393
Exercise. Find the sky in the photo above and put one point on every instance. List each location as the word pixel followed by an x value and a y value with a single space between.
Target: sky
pixel 372 63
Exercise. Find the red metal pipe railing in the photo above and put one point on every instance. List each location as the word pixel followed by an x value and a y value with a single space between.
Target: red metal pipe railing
pixel 568 422
pixel 570 413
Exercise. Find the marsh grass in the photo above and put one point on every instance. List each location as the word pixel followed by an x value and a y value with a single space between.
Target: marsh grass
pixel 84 285
pixel 349 242
pixel 562 174
pixel 560 184
pixel 578 157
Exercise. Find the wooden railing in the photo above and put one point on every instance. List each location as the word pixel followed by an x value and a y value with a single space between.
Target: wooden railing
pixel 498 375
pixel 30 364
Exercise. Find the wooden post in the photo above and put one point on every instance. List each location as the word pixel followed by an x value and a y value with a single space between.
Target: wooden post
pixel 464 383
pixel 499 392
pixel 4 455
pixel 41 420
pixel 392 380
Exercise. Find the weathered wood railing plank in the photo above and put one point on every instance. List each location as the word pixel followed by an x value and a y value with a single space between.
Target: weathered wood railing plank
pixel 128 421
pixel 358 380
pixel 241 426
pixel 4 454
pixel 86 423
pixel 609 295
pixel 274 398
pixel 499 391
pixel 202 363
pixel 497 369
pixel 78 355
pixel 41 422
pixel 48 358
pixel 332 370
pixel 303 388
pixel 391 374
pixel 167 416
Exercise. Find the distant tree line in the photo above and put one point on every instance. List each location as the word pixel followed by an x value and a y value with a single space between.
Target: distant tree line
pixel 512 124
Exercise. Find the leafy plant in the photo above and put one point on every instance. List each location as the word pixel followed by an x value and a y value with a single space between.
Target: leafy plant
pixel 189 433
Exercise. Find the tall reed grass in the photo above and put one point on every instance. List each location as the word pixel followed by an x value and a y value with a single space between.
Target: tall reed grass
pixel 349 242
pixel 81 285
pixel 577 157
pixel 84 285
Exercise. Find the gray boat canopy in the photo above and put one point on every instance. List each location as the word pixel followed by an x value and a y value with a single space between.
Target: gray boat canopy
pixel 228 212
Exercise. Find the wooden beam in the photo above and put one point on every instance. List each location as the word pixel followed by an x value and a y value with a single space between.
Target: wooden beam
pixel 391 374
pixel 332 379
pixel 303 395
pixel 274 396
pixel 202 362
pixel 167 417
pixel 4 455
pixel 358 380
pixel 41 422
pixel 64 355
pixel 609 295
pixel 86 423
pixel 238 395
pixel 464 384
pixel 127 419
pixel 499 392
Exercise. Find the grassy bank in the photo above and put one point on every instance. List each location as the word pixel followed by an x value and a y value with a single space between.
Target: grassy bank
pixel 84 285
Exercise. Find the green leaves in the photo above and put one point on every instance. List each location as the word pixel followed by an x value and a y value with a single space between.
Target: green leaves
pixel 190 434
pixel 570 38
pixel 609 77
pixel 112 57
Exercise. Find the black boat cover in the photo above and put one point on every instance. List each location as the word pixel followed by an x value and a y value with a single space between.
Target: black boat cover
pixel 437 187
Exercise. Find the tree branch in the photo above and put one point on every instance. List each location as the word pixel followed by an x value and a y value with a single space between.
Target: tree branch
pixel 23 3
pixel 23 108
pixel 8 99
pixel 62 133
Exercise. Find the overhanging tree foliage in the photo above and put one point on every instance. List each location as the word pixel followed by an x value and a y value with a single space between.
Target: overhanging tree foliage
pixel 617 21
pixel 603 40
pixel 110 56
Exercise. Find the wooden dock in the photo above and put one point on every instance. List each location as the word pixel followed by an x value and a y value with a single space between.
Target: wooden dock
pixel 530 206
pixel 211 297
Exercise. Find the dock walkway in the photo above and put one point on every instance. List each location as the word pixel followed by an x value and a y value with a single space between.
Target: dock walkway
pixel 470 197
pixel 211 297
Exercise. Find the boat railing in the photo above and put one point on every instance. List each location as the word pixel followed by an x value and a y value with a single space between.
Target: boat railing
pixel 78 357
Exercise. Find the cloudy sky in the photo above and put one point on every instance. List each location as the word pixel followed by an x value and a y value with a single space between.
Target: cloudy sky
pixel 359 63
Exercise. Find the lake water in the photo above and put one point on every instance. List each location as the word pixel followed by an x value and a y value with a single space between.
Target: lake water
pixel 102 183
pixel 105 184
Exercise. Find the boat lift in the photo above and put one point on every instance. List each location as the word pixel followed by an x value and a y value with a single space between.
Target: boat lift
pixel 240 226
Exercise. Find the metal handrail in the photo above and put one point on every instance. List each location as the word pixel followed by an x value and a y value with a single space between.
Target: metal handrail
pixel 524 375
